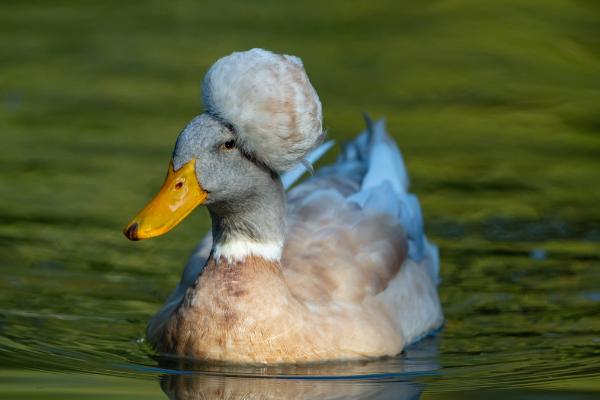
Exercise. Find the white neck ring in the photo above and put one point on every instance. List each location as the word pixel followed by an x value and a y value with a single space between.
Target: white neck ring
pixel 238 249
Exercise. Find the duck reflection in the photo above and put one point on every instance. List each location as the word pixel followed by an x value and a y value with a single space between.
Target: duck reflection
pixel 391 378
pixel 209 387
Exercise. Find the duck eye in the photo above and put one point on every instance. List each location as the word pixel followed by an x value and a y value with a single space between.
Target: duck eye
pixel 229 127
pixel 178 185
pixel 230 144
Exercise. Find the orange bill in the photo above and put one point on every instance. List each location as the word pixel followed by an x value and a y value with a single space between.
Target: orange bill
pixel 179 195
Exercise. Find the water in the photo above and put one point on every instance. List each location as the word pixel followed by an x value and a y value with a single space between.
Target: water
pixel 495 107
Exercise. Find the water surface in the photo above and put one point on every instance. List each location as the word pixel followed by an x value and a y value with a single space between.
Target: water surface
pixel 495 107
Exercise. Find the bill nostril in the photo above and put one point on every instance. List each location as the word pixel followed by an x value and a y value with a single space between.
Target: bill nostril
pixel 131 232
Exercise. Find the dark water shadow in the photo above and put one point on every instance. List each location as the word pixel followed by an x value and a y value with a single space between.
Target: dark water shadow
pixel 390 378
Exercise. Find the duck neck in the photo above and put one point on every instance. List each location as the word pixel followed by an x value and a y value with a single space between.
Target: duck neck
pixel 253 227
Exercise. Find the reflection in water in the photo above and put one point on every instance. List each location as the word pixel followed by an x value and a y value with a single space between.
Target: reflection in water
pixel 195 387
pixel 390 378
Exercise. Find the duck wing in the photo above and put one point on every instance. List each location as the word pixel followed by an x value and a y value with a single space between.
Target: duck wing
pixel 353 224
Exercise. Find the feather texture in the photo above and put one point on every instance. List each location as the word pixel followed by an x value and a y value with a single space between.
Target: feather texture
pixel 269 101
pixel 356 233
pixel 357 278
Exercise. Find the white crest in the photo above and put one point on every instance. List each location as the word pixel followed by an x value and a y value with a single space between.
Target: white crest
pixel 269 101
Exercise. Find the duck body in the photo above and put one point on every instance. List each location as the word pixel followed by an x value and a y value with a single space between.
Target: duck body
pixel 356 279
pixel 338 268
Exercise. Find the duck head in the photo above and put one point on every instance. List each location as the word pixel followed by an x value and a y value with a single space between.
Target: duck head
pixel 262 117
pixel 207 167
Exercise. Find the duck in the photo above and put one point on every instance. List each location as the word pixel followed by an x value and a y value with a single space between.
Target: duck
pixel 335 267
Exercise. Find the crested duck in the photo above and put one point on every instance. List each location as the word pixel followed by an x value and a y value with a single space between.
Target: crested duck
pixel 337 268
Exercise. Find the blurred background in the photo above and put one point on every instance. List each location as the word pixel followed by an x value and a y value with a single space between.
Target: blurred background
pixel 495 106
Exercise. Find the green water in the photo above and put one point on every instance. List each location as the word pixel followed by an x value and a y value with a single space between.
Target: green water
pixel 495 105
